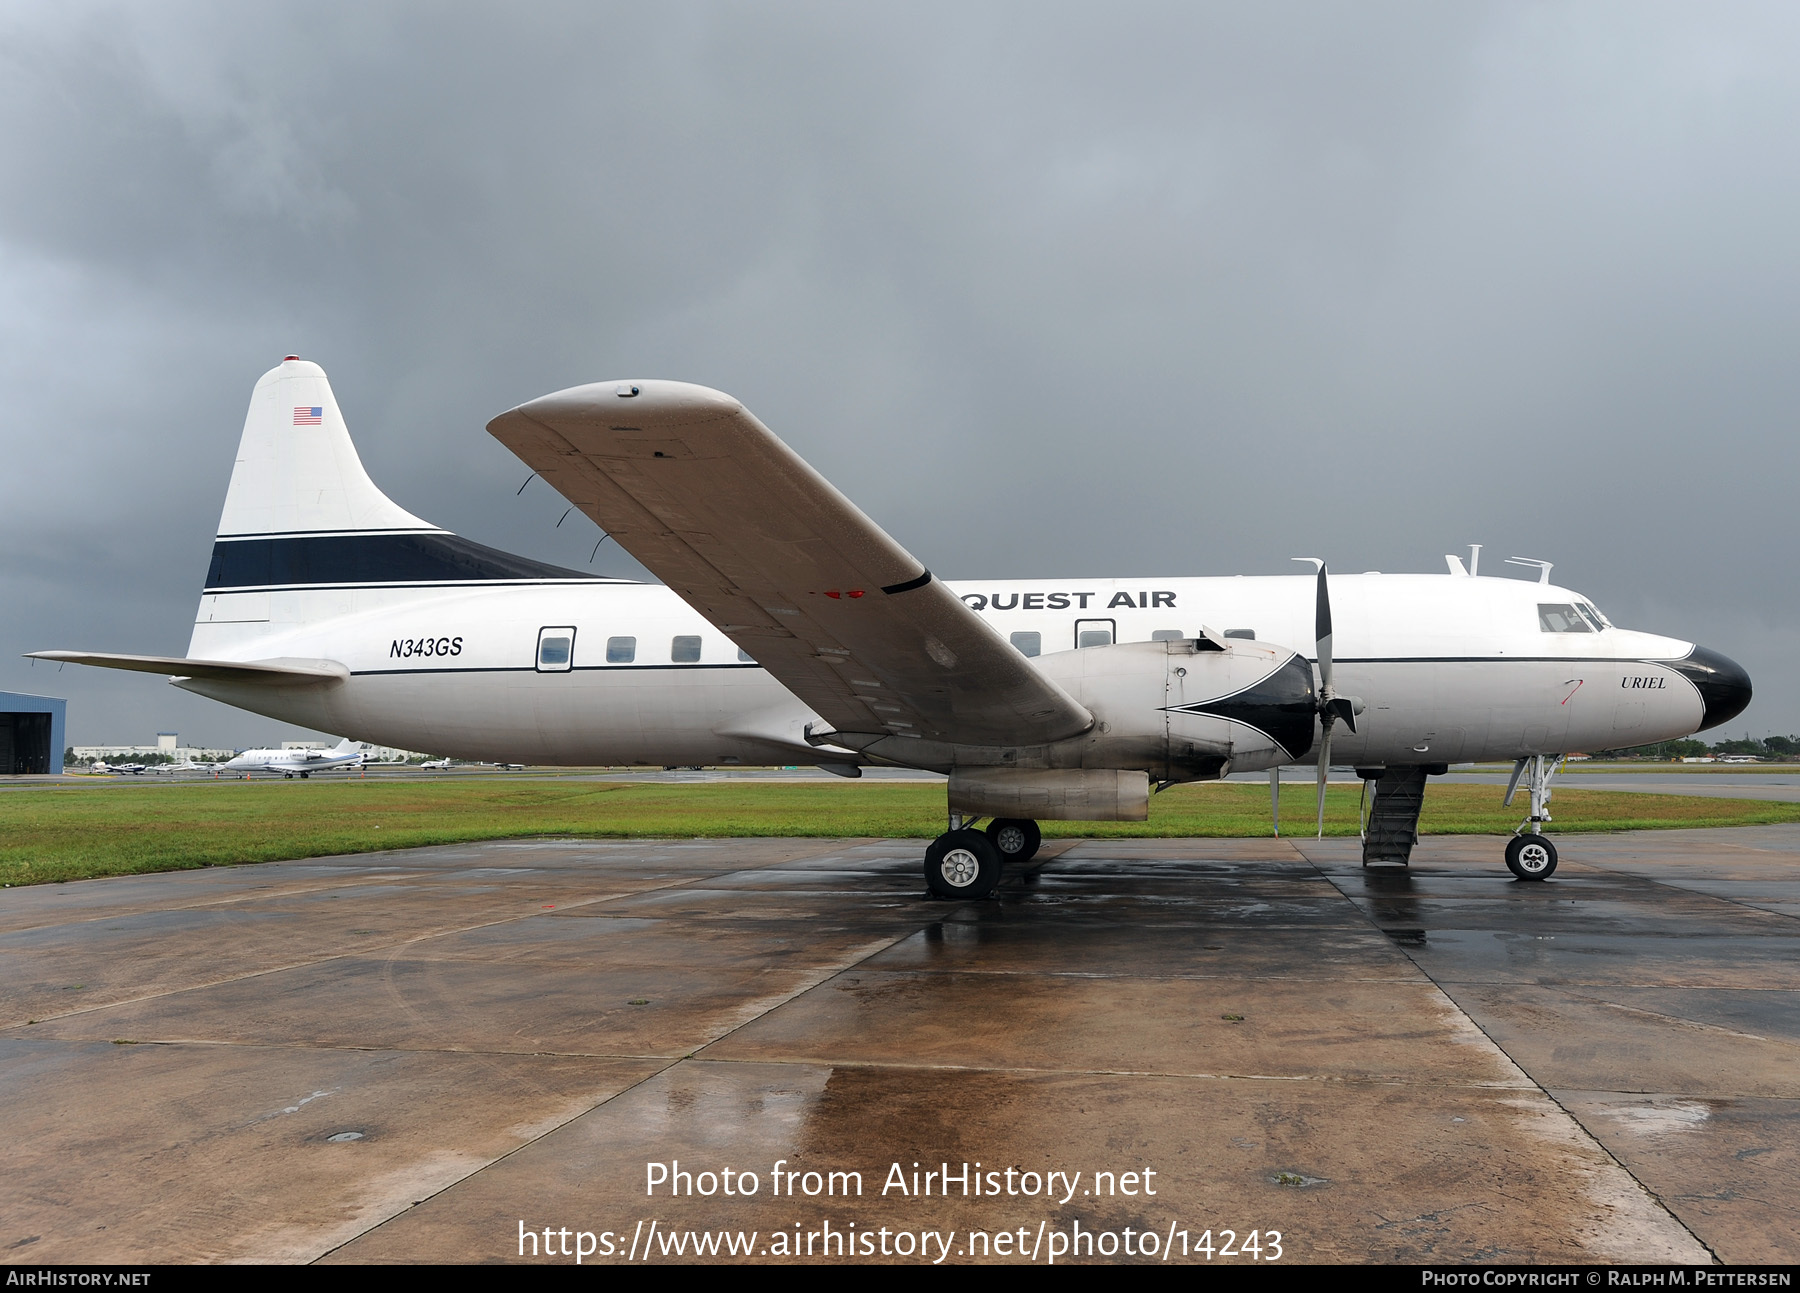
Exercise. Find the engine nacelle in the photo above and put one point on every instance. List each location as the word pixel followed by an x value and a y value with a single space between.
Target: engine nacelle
pixel 1186 710
pixel 1189 710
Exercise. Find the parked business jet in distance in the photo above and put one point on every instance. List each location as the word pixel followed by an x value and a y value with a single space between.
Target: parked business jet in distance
pixel 436 765
pixel 791 628
pixel 344 755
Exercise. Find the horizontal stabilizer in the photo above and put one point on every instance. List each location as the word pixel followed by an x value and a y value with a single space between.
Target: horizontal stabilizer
pixel 281 672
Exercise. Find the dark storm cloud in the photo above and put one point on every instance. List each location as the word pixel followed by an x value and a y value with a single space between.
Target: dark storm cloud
pixel 1178 289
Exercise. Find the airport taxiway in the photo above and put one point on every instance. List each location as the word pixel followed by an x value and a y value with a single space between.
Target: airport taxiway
pixel 408 1056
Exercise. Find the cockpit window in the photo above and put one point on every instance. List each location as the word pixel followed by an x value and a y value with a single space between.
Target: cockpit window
pixel 1554 618
pixel 1593 613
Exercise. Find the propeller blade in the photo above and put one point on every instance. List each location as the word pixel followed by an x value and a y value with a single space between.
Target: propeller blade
pixel 1324 769
pixel 1322 629
pixel 1343 708
pixel 1275 796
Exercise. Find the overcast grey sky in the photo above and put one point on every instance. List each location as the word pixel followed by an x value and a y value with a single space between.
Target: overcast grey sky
pixel 1049 290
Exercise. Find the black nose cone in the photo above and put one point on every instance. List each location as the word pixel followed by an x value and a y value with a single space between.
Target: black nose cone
pixel 1724 686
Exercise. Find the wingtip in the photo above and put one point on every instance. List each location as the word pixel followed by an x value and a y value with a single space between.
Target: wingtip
pixel 636 399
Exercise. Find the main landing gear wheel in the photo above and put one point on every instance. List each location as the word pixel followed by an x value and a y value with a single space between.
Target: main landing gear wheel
pixel 1531 857
pixel 962 864
pixel 1016 838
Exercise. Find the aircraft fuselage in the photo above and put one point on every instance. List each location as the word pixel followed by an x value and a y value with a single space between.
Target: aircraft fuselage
pixel 1449 668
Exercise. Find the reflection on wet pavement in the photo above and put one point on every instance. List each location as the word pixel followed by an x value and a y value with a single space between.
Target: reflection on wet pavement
pixel 409 1056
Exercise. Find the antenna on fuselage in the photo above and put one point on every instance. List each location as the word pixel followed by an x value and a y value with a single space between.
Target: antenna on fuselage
pixel 1474 559
pixel 1542 567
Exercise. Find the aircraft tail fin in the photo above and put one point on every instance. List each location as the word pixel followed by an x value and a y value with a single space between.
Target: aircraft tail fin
pixel 302 516
pixel 297 471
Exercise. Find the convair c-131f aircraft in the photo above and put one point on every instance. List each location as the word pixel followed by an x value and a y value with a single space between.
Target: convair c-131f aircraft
pixel 790 627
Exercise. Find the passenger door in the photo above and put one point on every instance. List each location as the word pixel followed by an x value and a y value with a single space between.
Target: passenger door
pixel 1090 633
pixel 556 649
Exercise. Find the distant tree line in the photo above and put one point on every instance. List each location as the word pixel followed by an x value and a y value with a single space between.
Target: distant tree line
pixel 1770 747
pixel 145 759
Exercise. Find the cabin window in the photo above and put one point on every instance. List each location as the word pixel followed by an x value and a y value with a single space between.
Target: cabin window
pixel 621 650
pixel 1249 635
pixel 1555 618
pixel 744 657
pixel 556 649
pixel 1029 643
pixel 1167 635
pixel 1093 633
pixel 685 649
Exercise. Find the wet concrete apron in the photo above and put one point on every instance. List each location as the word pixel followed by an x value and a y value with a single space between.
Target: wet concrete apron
pixel 409 1056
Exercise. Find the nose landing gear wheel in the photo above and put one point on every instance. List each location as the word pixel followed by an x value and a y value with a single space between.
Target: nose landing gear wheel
pixel 1017 839
pixel 1531 857
pixel 962 864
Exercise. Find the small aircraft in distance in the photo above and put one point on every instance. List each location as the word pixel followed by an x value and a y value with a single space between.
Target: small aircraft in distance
pixel 189 765
pixel 435 765
pixel 344 755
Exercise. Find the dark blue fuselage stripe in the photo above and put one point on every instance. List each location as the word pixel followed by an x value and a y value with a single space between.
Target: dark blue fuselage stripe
pixel 406 558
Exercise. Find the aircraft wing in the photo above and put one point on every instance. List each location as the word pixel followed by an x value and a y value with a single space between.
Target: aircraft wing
pixel 278 672
pixel 718 508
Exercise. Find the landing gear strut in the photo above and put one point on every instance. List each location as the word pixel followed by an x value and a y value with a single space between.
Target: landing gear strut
pixel 1529 854
pixel 966 863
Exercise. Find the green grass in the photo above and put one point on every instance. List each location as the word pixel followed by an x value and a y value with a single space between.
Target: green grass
pixel 74 833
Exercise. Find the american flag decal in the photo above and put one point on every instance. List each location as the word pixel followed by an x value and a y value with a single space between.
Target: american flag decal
pixel 308 417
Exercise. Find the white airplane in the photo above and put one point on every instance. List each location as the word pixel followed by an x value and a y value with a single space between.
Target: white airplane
pixel 791 628
pixel 343 755
pixel 435 765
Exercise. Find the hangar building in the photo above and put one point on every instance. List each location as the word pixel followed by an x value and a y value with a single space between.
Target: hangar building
pixel 31 733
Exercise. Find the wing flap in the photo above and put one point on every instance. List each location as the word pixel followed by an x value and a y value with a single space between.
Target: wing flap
pixel 280 672
pixel 745 531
